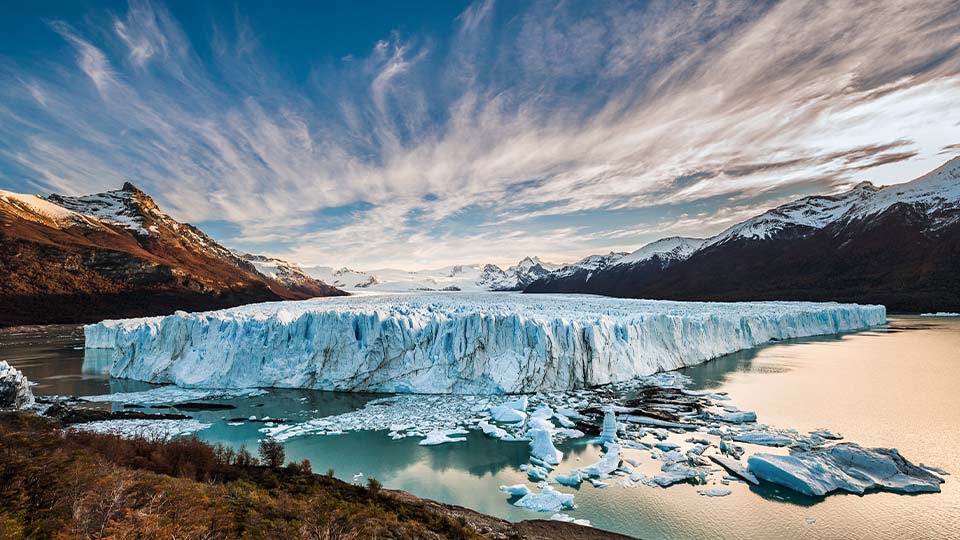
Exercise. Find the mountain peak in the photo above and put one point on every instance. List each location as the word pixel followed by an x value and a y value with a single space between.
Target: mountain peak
pixel 129 187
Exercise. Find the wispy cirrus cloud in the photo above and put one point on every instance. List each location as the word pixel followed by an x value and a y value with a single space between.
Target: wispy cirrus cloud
pixel 535 129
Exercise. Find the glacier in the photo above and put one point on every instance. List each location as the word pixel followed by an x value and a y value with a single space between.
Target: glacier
pixel 464 343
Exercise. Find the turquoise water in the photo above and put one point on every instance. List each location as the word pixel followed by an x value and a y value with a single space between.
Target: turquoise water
pixel 895 387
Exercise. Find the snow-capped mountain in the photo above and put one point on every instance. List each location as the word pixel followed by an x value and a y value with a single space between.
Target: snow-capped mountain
pixel 587 265
pixel 76 259
pixel 667 250
pixel 286 273
pixel 815 248
pixel 461 277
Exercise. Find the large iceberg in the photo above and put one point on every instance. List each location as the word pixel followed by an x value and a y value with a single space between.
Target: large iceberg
pixel 453 343
pixel 844 467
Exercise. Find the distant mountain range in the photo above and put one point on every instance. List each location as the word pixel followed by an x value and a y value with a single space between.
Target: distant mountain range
pixel 115 254
pixel 465 277
pixel 897 245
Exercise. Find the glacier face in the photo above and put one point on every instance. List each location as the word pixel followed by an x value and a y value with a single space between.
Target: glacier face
pixel 453 343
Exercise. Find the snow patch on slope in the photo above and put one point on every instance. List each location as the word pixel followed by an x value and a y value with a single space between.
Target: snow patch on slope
pixel 674 248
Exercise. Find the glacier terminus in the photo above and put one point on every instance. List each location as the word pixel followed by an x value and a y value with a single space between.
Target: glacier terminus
pixel 465 343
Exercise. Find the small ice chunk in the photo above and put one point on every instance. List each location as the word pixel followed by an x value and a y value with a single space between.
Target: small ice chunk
pixel 608 463
pixel 516 490
pixel 677 472
pixel 763 438
pixel 507 415
pixel 492 430
pixel 714 492
pixel 519 404
pixel 568 519
pixel 609 432
pixel 434 438
pixel 541 441
pixel 574 479
pixel 737 417
pixel 548 500
pixel 537 473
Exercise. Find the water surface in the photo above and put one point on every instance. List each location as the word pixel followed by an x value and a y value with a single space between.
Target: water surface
pixel 894 387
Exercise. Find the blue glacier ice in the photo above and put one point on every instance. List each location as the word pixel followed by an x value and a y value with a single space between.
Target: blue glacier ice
pixel 453 343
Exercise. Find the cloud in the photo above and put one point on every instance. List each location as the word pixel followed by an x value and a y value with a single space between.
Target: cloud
pixel 557 130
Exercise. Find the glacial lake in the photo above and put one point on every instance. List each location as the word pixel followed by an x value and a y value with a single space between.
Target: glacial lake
pixel 891 387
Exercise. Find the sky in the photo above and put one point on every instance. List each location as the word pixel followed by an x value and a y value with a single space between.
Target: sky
pixel 422 134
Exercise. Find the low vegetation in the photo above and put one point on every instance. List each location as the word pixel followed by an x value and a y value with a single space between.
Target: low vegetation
pixel 69 485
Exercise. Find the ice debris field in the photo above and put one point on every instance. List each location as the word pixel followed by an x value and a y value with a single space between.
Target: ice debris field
pixel 453 343
pixel 653 431
pixel 590 369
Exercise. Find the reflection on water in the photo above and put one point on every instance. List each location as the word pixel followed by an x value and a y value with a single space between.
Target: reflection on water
pixel 894 387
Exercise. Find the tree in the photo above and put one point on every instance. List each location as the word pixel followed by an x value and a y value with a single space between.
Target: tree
pixel 272 453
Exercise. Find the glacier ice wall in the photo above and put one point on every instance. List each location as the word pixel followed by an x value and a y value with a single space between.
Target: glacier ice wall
pixel 453 343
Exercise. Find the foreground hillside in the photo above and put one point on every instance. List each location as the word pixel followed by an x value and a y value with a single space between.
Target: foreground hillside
pixel 897 245
pixel 77 485
pixel 115 254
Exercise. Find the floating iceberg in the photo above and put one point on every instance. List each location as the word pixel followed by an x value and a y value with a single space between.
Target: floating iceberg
pixel 569 519
pixel 609 431
pixel 608 463
pixel 15 390
pixel 714 492
pixel 434 438
pixel 453 343
pixel 541 442
pixel 846 467
pixel 516 490
pixel 548 500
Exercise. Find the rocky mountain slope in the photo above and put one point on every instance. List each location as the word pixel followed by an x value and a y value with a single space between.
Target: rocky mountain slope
pixel 116 254
pixel 897 245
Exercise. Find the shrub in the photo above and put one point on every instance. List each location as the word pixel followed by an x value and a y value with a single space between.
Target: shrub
pixel 374 485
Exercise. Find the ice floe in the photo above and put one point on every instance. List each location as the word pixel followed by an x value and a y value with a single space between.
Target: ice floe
pixel 453 343
pixel 714 492
pixel 148 429
pixel 569 519
pixel 516 490
pixel 434 438
pixel 844 467
pixel 548 500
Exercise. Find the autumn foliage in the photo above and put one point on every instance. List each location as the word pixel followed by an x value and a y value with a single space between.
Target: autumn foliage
pixel 74 485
